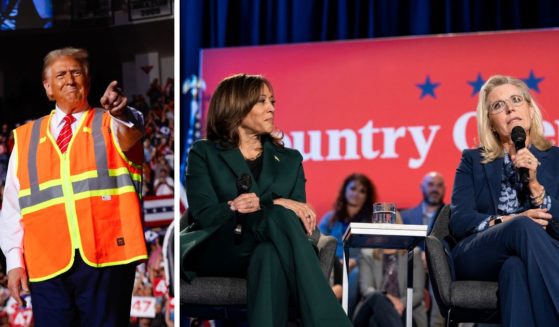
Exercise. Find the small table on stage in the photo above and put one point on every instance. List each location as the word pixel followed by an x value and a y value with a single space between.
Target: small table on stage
pixel 385 236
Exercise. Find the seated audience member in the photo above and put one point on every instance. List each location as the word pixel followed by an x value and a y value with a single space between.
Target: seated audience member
pixel 353 204
pixel 433 191
pixel 383 283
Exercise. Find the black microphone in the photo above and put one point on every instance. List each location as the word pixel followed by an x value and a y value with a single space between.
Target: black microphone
pixel 244 182
pixel 518 137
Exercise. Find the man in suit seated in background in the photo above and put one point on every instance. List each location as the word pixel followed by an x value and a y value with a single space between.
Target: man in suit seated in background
pixel 433 190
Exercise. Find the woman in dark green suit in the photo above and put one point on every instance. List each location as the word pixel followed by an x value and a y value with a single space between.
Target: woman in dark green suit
pixel 262 232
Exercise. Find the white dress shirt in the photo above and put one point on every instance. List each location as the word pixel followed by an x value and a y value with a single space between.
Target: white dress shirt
pixel 11 230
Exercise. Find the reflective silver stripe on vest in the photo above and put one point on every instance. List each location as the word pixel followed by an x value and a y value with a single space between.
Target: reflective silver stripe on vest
pixel 102 183
pixel 32 156
pixel 37 197
pixel 99 146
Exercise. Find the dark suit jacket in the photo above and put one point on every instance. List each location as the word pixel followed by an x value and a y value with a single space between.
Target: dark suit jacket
pixel 211 181
pixel 414 216
pixel 477 187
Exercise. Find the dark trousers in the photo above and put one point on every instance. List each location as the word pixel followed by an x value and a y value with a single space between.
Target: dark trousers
pixel 282 266
pixel 524 259
pixel 376 310
pixel 84 296
pixel 353 293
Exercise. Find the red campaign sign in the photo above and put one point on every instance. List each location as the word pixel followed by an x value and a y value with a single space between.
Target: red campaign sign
pixel 393 109
pixel 18 316
pixel 21 318
pixel 159 287
pixel 143 306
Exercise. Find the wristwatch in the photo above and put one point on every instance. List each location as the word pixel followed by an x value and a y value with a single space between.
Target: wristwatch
pixel 498 220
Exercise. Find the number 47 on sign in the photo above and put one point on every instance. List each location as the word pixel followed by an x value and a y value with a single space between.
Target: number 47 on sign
pixel 143 306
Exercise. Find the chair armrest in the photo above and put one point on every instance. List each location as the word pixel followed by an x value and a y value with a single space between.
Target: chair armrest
pixel 214 291
pixel 478 295
pixel 326 253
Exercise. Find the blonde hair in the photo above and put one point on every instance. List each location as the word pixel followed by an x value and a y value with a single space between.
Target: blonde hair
pixel 491 146
pixel 80 55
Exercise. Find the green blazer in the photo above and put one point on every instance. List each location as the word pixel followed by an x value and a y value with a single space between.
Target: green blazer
pixel 211 181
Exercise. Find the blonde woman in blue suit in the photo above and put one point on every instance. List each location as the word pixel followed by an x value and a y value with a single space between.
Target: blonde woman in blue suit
pixel 505 207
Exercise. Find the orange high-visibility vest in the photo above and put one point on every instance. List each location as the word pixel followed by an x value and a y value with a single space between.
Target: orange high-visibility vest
pixel 87 198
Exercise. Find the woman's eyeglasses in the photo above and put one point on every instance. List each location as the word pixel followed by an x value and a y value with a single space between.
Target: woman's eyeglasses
pixel 500 105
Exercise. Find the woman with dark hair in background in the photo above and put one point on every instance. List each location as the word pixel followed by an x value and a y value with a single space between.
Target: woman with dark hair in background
pixel 243 169
pixel 353 204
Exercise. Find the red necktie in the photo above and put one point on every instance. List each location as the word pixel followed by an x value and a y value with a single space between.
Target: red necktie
pixel 66 133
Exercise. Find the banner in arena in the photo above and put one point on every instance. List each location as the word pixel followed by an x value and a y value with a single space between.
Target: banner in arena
pixel 144 9
pixel 158 210
pixel 393 109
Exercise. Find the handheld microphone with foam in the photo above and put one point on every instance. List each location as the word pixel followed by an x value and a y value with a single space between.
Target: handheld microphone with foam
pixel 244 182
pixel 518 137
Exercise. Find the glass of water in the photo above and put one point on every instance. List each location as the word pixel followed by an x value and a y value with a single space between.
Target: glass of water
pixel 384 213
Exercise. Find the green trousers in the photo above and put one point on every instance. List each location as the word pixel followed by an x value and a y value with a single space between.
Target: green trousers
pixel 282 266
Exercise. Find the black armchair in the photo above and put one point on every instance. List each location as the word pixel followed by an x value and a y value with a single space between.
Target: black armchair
pixel 459 301
pixel 224 298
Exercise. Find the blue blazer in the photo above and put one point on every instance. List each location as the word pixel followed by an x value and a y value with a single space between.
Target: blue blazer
pixel 413 216
pixel 477 187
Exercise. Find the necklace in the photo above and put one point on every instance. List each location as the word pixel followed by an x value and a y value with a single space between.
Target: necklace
pixel 248 152
pixel 254 157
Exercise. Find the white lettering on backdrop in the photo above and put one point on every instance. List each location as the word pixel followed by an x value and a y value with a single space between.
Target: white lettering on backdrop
pixel 363 137
pixel 459 130
pixel 360 144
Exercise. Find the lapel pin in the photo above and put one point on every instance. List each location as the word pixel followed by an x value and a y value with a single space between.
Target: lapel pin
pixel 275 157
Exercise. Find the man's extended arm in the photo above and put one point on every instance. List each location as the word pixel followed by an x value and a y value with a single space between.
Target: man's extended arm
pixel 128 123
